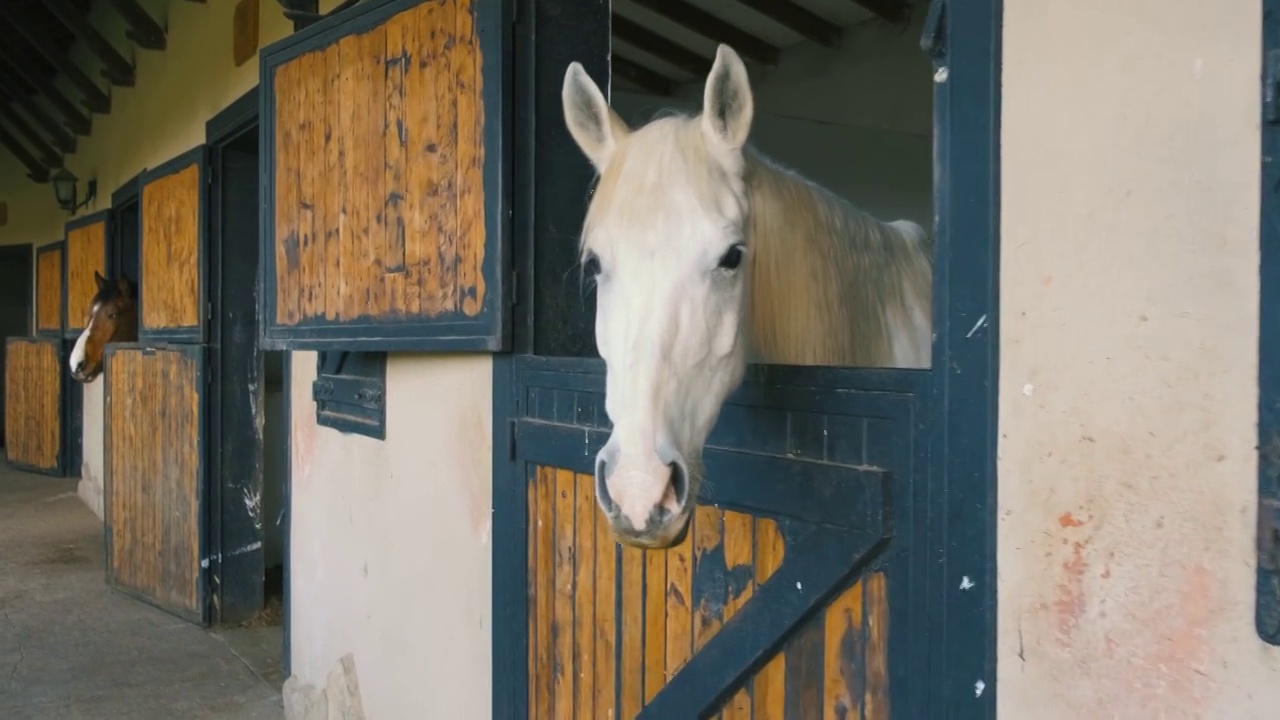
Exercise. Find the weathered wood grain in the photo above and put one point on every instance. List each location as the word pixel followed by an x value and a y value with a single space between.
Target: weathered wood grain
pixel 49 289
pixel 379 197
pixel 33 401
pixel 170 250
pixel 86 254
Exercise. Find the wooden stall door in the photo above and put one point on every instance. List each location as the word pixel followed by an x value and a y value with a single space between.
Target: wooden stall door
pixel 33 419
pixel 155 475
pixel 49 289
pixel 777 602
pixel 172 292
pixel 85 254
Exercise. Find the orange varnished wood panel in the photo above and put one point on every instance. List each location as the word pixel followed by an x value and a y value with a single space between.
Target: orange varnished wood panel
pixel 379 197
pixel 585 661
pixel 170 247
pixel 153 466
pixel 86 254
pixel 49 290
pixel 33 398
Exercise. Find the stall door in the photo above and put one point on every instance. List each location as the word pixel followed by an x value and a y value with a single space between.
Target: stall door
pixel 155 475
pixel 34 389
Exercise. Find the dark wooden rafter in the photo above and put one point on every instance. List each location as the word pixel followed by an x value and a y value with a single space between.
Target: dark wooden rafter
pixel 800 19
pixel 143 29
pixel 896 12
pixel 35 170
pixel 49 157
pixel 642 38
pixel 62 139
pixel 118 70
pixel 638 74
pixel 76 119
pixel 709 26
pixel 94 97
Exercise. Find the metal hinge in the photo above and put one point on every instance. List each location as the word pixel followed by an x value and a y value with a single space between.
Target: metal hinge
pixel 515 288
pixel 1271 87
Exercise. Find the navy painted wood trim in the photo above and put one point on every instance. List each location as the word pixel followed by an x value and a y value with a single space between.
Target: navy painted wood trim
pixel 197 354
pixel 238 117
pixel 199 332
pixel 60 245
pixel 70 329
pixel 510 638
pixel 286 660
pixel 962 643
pixel 490 331
pixel 810 575
pixel 129 191
pixel 73 415
pixel 1267 606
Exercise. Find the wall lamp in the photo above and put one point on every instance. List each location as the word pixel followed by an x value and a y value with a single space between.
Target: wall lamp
pixel 64 189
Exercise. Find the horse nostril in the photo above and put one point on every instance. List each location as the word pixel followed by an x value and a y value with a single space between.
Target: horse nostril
pixel 679 482
pixel 602 487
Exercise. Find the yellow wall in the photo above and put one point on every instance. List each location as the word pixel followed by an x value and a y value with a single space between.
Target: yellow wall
pixel 1128 363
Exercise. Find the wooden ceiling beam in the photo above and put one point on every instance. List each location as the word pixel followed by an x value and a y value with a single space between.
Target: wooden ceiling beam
pixel 35 170
pixel 633 33
pixel 143 29
pixel 78 121
pixel 633 71
pixel 118 70
pixel 94 98
pixel 806 23
pixel 709 26
pixel 59 136
pixel 48 156
pixel 895 12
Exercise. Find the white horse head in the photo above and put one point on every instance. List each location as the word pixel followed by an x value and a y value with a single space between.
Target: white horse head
pixel 691 237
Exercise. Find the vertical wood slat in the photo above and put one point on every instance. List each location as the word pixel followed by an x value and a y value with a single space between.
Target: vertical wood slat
pixel 402 161
pixel 49 273
pixel 153 466
pixel 33 403
pixel 587 661
pixel 171 253
pixel 86 253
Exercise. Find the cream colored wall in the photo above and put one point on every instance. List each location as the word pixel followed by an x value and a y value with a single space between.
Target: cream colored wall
pixel 1129 304
pixel 390 559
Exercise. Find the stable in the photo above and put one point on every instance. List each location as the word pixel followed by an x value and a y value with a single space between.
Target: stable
pixel 693 358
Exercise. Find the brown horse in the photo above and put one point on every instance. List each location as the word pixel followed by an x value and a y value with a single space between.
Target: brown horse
pixel 113 317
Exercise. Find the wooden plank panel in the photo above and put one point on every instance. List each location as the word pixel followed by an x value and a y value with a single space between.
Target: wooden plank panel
pixel 739 560
pixel 49 289
pixel 170 287
pixel 843 656
pixel 154 471
pixel 876 699
pixel 584 595
pixel 606 647
pixel 655 622
pixel 403 161
pixel 33 403
pixel 768 686
pixel 86 254
pixel 679 604
pixel 544 576
pixel 632 625
pixel 562 615
pixel 531 582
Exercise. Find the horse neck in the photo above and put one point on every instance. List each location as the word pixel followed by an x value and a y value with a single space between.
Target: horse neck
pixel 830 284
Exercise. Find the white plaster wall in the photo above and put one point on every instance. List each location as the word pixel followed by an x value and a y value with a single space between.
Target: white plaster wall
pixel 391 541
pixel 1129 329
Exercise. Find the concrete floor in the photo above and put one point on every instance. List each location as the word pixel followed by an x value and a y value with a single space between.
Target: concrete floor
pixel 70 647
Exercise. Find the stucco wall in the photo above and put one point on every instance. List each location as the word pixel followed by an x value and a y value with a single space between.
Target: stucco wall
pixel 391 542
pixel 1129 305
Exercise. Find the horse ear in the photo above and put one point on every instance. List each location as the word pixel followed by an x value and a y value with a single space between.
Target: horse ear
pixel 101 281
pixel 592 123
pixel 122 282
pixel 727 106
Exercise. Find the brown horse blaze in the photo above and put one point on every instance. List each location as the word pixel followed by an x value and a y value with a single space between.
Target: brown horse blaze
pixel 113 317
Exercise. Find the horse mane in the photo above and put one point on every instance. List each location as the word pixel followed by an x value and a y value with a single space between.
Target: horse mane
pixel 111 290
pixel 830 284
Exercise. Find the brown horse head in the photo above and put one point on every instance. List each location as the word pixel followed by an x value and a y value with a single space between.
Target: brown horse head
pixel 113 317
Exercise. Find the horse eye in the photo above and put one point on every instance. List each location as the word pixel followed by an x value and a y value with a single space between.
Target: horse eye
pixel 591 265
pixel 732 258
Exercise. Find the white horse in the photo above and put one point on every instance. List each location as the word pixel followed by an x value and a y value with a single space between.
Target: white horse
pixel 704 253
